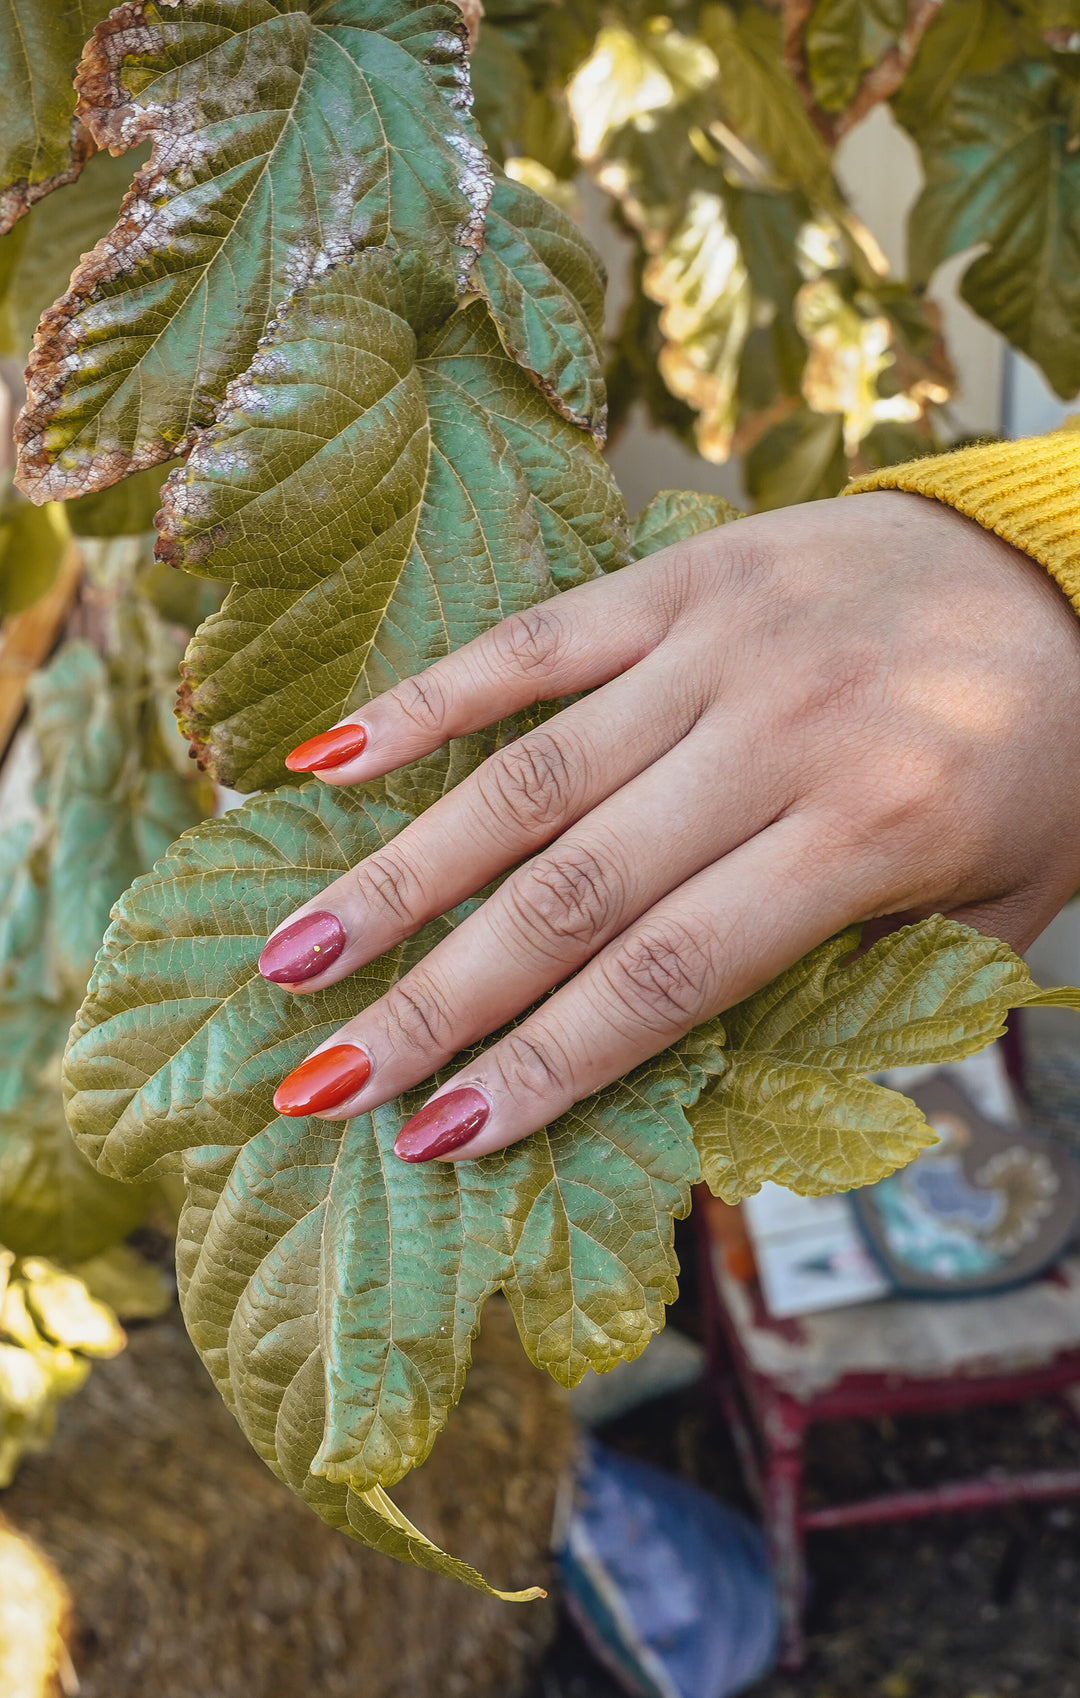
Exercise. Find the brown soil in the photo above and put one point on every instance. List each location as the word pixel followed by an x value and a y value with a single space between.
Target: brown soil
pixel 194 1574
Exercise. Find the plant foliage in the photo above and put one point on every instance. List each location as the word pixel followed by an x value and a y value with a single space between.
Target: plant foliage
pixel 378 354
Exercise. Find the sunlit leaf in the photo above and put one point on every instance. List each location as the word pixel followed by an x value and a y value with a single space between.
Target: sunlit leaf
pixel 284 137
pixel 627 78
pixel 374 504
pixel 700 280
pixel 335 1355
pixel 795 1105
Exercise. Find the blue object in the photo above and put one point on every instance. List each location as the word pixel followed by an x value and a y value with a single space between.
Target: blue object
pixel 669 1587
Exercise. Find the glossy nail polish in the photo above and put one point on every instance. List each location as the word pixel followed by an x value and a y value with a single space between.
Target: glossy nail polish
pixel 443 1124
pixel 324 1079
pixel 329 749
pixel 303 949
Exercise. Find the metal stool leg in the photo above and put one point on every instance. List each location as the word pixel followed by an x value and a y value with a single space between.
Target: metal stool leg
pixel 782 1507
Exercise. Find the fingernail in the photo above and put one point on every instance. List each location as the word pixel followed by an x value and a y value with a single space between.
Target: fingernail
pixel 443 1124
pixel 303 949
pixel 324 1079
pixel 328 749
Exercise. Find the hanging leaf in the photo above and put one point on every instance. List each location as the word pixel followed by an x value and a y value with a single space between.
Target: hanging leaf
pixel 284 137
pixel 46 247
pixel 42 145
pixel 675 514
pixel 111 813
pixel 800 459
pixel 33 542
pixel 1002 173
pixel 352 1357
pixel 700 280
pixel 546 284
pixel 436 493
pixel 795 1106
pixel 854 53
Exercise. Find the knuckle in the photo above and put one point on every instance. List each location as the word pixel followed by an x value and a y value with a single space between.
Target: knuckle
pixel 389 888
pixel 530 783
pixel 531 641
pixel 532 1064
pixel 662 975
pixel 419 1016
pixel 568 898
pixel 424 701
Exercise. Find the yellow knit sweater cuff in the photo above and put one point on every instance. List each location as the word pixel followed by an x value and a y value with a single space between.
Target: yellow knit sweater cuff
pixel 1026 491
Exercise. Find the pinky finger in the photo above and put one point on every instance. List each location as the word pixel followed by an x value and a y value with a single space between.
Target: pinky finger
pixel 712 942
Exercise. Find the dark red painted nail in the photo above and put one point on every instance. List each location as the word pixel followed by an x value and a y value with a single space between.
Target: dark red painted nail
pixel 303 949
pixel 330 748
pixel 443 1125
pixel 326 1078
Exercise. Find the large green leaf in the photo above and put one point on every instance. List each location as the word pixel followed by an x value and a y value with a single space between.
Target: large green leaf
pixel 285 135
pixel 1002 173
pixel 795 1105
pixel 374 503
pixel 332 1289
pixel 545 283
pixel 41 144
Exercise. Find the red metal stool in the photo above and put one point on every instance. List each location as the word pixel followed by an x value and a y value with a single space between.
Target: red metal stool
pixel 896 1356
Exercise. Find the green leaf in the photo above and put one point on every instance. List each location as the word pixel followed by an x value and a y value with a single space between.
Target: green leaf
pixel 41 145
pixel 843 40
pixel 125 509
pixel 333 1290
pixel 1001 173
pixel 675 514
pixel 45 248
pixel 284 137
pixel 52 1202
pixel 800 459
pixel 761 102
pixel 374 503
pixel 33 542
pixel 795 1106
pixel 545 283
pixel 111 811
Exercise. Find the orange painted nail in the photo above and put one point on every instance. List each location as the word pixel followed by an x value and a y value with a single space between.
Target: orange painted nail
pixel 330 748
pixel 324 1079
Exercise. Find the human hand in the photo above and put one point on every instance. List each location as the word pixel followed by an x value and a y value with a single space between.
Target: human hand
pixel 861 708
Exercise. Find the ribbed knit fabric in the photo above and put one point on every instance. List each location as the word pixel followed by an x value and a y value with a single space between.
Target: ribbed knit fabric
pixel 1026 491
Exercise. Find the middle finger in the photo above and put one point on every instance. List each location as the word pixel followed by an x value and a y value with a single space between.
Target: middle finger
pixel 512 805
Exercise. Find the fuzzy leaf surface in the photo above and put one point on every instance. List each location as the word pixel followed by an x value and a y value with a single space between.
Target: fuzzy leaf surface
pixel 285 135
pixel 675 514
pixel 795 1105
pixel 333 1290
pixel 375 501
pixel 546 285
pixel 41 145
pixel 1001 172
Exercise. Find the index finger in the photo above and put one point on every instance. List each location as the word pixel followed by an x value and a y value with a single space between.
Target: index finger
pixel 573 642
